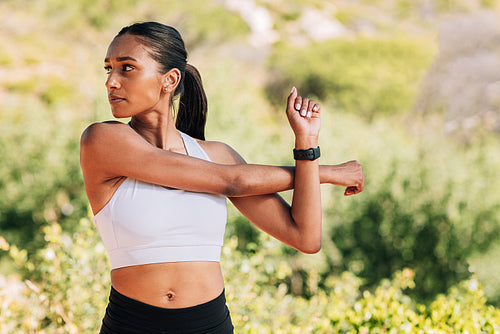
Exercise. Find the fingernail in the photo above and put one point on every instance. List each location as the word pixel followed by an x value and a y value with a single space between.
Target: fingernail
pixel 315 108
pixel 309 114
pixel 303 113
pixel 297 106
pixel 293 88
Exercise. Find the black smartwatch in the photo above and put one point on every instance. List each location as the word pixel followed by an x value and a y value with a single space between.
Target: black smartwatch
pixel 309 154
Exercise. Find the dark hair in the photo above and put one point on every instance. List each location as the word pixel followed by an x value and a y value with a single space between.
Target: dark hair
pixel 167 48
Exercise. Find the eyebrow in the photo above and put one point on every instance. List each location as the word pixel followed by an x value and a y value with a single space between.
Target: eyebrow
pixel 106 60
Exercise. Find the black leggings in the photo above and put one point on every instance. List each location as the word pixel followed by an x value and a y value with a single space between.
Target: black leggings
pixel 125 315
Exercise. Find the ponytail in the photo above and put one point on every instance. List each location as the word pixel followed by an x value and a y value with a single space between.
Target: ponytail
pixel 192 113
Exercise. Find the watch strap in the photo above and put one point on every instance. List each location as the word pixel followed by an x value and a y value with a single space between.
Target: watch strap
pixel 309 154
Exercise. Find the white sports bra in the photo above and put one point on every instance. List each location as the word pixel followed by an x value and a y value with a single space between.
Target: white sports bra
pixel 145 223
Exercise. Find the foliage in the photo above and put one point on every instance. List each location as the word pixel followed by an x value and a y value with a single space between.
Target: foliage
pixel 423 208
pixel 366 76
pixel 94 15
pixel 40 175
pixel 65 286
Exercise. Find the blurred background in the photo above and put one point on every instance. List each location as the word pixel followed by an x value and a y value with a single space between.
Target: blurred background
pixel 411 89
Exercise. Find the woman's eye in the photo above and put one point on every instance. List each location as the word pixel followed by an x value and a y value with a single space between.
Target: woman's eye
pixel 127 68
pixel 107 69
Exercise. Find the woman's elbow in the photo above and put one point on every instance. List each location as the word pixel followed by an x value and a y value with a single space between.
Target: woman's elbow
pixel 309 244
pixel 311 247
pixel 308 239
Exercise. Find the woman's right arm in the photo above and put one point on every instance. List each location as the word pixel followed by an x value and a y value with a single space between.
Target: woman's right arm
pixel 112 150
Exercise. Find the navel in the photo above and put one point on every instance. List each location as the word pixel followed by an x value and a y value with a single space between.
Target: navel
pixel 170 295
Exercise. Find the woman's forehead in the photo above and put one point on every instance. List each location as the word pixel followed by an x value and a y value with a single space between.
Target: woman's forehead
pixel 126 46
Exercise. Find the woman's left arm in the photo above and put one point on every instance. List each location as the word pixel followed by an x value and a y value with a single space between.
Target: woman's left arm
pixel 299 225
pixel 271 213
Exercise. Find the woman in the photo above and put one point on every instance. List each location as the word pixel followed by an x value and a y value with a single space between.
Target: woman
pixel 163 242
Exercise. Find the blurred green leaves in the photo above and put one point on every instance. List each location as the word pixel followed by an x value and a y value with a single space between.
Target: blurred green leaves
pixel 65 286
pixel 69 284
pixel 366 76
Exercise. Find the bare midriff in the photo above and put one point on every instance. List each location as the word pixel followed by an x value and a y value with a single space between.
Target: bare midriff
pixel 170 285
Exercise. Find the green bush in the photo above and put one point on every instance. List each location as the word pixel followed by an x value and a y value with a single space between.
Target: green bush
pixel 365 76
pixel 50 90
pixel 64 288
pixel 429 204
pixel 40 175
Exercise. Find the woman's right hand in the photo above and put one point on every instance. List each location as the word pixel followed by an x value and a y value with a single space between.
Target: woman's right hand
pixel 348 174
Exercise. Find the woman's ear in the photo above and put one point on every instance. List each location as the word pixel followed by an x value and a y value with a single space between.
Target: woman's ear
pixel 171 80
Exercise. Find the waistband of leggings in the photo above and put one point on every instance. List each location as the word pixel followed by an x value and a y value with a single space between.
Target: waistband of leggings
pixel 213 305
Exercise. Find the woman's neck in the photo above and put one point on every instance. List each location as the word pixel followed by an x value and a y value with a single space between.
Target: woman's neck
pixel 159 130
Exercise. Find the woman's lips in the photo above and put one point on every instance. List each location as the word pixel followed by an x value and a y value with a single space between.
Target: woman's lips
pixel 115 99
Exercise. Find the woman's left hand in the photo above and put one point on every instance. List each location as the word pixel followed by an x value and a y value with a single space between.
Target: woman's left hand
pixel 304 116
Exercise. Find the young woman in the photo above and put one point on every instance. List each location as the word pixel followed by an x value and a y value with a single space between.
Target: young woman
pixel 158 189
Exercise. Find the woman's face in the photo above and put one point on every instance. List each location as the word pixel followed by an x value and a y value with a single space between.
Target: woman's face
pixel 134 84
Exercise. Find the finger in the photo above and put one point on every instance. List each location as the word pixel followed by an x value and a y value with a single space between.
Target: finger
pixel 351 190
pixel 348 191
pixel 297 99
pixel 298 103
pixel 305 106
pixel 317 108
pixel 291 98
pixel 310 108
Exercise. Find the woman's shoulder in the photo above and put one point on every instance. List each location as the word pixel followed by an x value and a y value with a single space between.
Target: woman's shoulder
pixel 99 131
pixel 221 153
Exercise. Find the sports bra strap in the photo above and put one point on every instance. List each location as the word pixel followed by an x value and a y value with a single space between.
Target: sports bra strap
pixel 193 148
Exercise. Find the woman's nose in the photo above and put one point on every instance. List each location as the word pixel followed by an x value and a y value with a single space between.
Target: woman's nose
pixel 112 81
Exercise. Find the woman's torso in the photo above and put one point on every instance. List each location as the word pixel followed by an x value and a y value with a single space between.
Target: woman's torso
pixel 164 284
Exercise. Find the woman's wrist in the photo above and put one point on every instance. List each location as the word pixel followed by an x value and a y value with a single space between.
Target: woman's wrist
pixel 304 143
pixel 326 173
